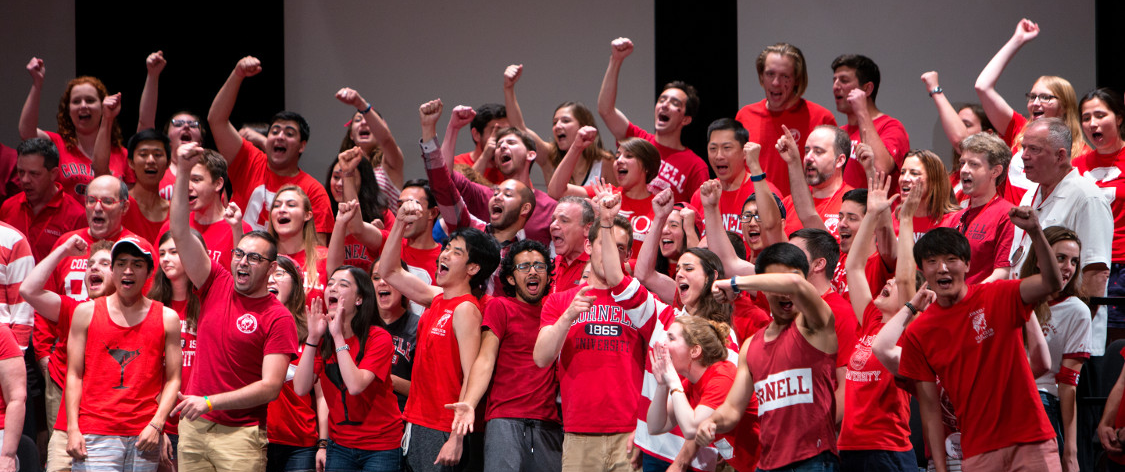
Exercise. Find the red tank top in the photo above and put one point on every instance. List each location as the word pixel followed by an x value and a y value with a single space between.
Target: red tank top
pixel 437 365
pixel 793 385
pixel 124 373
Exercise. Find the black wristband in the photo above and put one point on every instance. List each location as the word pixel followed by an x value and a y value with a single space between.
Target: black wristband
pixel 913 311
pixel 322 444
pixel 313 345
pixel 365 110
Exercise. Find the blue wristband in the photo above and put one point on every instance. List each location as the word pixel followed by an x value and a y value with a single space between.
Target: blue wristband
pixel 758 178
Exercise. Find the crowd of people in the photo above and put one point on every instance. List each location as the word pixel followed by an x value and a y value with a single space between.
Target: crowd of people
pixel 634 314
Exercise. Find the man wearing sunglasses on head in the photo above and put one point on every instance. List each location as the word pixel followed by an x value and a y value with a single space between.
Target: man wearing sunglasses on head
pixel 246 339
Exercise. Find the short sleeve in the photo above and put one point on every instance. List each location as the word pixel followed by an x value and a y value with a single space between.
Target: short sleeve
pixel 912 363
pixel 378 354
pixel 494 317
pixel 322 207
pixel 8 347
pixel 281 332
pixel 895 139
pixel 1004 236
pixel 714 392
pixel 553 307
pixel 1076 332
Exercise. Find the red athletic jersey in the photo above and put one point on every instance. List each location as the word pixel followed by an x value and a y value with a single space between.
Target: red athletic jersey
pixel 234 335
pixel 187 346
pixel 369 421
pixel 8 350
pixel 62 214
pixel 639 213
pixel 291 419
pixel 437 365
pixel 217 237
pixel 877 412
pixel 894 138
pixel 976 348
pixel 601 364
pixel 136 222
pixel 1106 172
pixel 256 185
pixel 989 231
pixel 680 169
pixel 793 383
pixel 76 170
pixel 123 372
pixel 764 127
pixel 828 209
pixel 520 389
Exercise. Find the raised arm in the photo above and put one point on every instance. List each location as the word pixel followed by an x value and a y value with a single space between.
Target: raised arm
pixel 46 302
pixel 883 160
pixel 345 213
pixel 461 116
pixel 615 120
pixel 29 116
pixel 608 206
pixel 515 115
pixel 305 377
pixel 905 267
pixel 111 107
pixel 877 203
pixel 147 117
pixel 771 225
pixel 800 192
pixel 955 129
pixel 390 264
pixel 179 216
pixel 227 139
pixel 995 107
pixel 1038 287
pixel 659 284
pixel 885 346
pixel 356 380
pixel 393 161
pixel 818 315
pixel 709 197
pixel 559 185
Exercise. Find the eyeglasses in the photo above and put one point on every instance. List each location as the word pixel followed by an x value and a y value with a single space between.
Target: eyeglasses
pixel 105 201
pixel 746 217
pixel 1042 97
pixel 527 266
pixel 193 124
pixel 252 257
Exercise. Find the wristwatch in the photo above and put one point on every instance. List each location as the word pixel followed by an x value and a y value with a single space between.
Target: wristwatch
pixel 936 90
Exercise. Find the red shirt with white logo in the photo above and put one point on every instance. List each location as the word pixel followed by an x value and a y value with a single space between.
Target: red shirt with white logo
pixel 437 365
pixel 520 389
pixel 123 372
pixel 877 411
pixel 793 384
pixel 234 335
pixel 76 171
pixel 828 209
pixel 680 169
pixel 732 201
pixel 1106 171
pixel 764 127
pixel 976 348
pixel 369 421
pixel 639 213
pixel 256 185
pixel 989 230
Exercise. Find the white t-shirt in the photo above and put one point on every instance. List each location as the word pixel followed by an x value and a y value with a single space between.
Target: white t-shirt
pixel 1068 336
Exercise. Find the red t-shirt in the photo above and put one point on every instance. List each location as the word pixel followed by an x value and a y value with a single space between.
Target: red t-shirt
pixel 56 367
pixel 568 275
pixel 369 421
pixel 923 224
pixel 167 182
pixel 639 213
pixel 358 254
pixel 764 127
pixel 846 325
pixel 520 389
pixel 601 364
pixel 989 230
pixel 1106 172
pixel 187 346
pixel 437 365
pixel 894 139
pixel 123 372
pixel 840 276
pixel 8 350
pixel 420 262
pixel 257 185
pixel 793 383
pixel 234 335
pixel 711 391
pixel 313 289
pixel 1016 183
pixel 61 215
pixel 136 222
pixel 827 208
pixel 291 418
pixel 76 170
pixel 747 317
pixel 492 174
pixel 877 412
pixel 680 169
pixel 731 202
pixel 976 348
pixel 217 237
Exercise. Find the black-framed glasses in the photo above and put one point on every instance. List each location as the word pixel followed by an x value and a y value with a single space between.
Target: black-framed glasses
pixel 252 257
pixel 1042 97
pixel 193 124
pixel 527 266
pixel 746 217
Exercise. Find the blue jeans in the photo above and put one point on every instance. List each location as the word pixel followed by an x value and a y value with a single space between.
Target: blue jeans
pixel 651 463
pixel 878 461
pixel 823 462
pixel 1054 414
pixel 285 458
pixel 343 458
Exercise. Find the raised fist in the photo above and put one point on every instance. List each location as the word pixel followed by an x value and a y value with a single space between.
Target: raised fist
pixel 38 70
pixel 248 66
pixel 621 48
pixel 155 62
pixel 512 75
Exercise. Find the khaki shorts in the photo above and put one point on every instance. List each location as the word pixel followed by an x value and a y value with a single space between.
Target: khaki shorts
pixel 210 447
pixel 57 458
pixel 54 399
pixel 1040 456
pixel 596 452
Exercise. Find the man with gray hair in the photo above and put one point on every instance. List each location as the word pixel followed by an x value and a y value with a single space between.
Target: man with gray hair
pixel 1062 197
pixel 982 167
pixel 570 223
